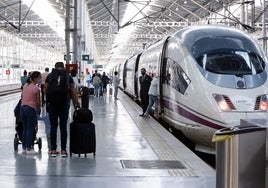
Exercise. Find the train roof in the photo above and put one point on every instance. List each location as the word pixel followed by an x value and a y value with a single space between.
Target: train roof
pixel 190 35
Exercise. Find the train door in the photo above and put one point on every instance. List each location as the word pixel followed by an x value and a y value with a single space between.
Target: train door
pixel 136 75
pixel 163 76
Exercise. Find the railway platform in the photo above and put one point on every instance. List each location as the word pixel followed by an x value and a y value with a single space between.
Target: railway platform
pixel 131 151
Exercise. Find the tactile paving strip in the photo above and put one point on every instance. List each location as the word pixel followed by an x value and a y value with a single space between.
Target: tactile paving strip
pixel 151 164
pixel 161 149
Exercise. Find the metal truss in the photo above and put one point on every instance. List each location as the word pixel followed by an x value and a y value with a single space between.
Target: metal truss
pixel 31 23
pixel 50 43
pixel 37 35
pixel 147 36
pixel 146 24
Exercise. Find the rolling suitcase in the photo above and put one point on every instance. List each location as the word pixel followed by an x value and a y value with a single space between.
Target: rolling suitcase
pixel 85 97
pixel 82 133
pixel 91 91
pixel 110 91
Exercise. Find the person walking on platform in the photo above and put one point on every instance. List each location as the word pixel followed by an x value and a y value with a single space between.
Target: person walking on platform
pixel 82 78
pixel 105 80
pixel 24 78
pixel 30 107
pixel 88 79
pixel 145 82
pixel 77 85
pixel 43 79
pixel 116 82
pixel 59 89
pixel 96 82
pixel 153 94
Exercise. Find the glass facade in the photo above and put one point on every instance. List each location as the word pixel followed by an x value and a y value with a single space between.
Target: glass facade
pixel 17 55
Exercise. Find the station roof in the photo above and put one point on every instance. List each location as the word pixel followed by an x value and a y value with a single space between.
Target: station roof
pixel 153 20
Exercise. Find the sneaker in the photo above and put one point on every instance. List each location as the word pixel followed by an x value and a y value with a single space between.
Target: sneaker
pixel 63 153
pixel 31 152
pixel 53 153
pixel 146 114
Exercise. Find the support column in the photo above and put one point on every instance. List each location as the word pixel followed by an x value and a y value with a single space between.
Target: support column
pixel 75 33
pixel 67 31
pixel 264 41
pixel 242 14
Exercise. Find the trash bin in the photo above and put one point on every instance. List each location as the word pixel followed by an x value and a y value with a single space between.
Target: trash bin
pixel 240 157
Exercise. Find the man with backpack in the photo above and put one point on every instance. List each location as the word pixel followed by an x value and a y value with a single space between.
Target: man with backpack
pixel 96 82
pixel 59 89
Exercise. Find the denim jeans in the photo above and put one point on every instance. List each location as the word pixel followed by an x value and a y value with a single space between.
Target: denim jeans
pixel 88 83
pixel 29 120
pixel 46 120
pixel 152 100
pixel 96 90
pixel 115 91
pixel 58 112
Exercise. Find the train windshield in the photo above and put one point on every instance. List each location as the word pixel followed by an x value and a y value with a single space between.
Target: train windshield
pixel 231 62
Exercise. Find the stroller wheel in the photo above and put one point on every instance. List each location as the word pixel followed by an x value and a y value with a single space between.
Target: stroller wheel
pixel 39 142
pixel 16 143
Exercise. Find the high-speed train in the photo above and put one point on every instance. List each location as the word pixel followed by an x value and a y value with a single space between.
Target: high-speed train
pixel 210 77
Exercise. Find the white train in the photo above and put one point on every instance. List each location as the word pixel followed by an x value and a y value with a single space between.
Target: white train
pixel 210 78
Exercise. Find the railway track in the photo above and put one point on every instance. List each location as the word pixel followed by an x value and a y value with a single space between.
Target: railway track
pixel 9 89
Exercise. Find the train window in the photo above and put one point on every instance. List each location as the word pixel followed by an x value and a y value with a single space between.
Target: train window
pixel 176 77
pixel 231 62
pixel 257 62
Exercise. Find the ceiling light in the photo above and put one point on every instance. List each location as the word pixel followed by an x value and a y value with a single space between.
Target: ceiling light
pixel 57 1
pixel 177 8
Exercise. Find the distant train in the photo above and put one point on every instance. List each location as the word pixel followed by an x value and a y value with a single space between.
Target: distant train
pixel 210 77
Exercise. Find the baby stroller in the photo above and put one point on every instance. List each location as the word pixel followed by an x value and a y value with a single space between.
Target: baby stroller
pixel 19 129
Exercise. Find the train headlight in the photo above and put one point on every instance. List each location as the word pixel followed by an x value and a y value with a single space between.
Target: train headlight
pixel 224 102
pixel 262 103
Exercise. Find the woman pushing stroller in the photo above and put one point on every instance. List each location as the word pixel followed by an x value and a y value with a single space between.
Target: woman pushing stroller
pixel 30 107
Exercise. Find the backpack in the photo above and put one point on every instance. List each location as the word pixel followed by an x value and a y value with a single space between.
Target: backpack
pixel 58 89
pixel 96 81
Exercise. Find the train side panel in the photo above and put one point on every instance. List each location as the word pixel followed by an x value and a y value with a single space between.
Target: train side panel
pixel 121 75
pixel 188 96
pixel 130 78
pixel 151 59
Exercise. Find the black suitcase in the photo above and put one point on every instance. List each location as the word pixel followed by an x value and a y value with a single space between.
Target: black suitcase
pixel 82 133
pixel 91 91
pixel 84 97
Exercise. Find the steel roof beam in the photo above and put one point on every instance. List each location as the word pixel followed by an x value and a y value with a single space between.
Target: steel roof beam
pixel 32 23
pixel 146 24
pixel 190 12
pixel 49 43
pixel 154 36
pixel 103 44
pixel 37 35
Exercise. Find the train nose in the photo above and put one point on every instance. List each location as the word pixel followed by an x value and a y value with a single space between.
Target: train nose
pixel 242 103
